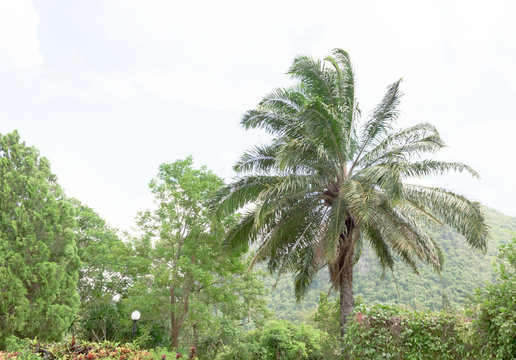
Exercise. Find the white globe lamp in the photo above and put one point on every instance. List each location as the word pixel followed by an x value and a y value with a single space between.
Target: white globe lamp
pixel 135 316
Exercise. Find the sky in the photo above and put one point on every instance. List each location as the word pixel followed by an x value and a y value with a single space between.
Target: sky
pixel 108 90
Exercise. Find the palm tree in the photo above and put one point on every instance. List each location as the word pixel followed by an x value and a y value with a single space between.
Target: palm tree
pixel 325 186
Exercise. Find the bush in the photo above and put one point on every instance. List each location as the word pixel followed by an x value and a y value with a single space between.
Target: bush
pixel 493 333
pixel 389 332
pixel 279 339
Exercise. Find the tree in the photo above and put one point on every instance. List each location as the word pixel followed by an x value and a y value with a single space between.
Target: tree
pixel 184 278
pixel 38 256
pixel 322 189
pixel 103 276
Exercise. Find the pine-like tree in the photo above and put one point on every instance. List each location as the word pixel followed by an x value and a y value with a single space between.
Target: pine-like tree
pixel 38 256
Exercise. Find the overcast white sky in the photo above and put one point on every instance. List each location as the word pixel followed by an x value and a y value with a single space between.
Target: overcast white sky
pixel 108 90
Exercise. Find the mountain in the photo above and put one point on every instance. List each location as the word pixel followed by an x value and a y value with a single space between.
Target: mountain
pixel 464 270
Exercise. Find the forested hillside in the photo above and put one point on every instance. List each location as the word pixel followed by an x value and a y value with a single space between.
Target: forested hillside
pixel 464 271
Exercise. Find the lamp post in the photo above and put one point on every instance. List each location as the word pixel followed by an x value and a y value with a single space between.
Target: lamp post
pixel 135 316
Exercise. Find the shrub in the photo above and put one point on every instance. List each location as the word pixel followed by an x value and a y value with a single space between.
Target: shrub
pixel 389 332
pixel 280 340
pixel 493 333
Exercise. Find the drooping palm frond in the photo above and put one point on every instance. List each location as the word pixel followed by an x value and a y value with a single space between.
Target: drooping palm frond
pixel 260 160
pixel 433 167
pixel 456 211
pixel 241 193
pixel 380 247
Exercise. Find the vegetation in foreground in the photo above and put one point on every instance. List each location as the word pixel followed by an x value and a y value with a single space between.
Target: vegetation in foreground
pixel 82 350
pixel 486 331
pixel 65 273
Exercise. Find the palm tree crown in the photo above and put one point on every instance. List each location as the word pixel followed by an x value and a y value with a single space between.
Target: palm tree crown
pixel 326 185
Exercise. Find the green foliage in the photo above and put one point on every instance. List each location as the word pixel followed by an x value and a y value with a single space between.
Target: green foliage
pixel 277 340
pixel 494 325
pixel 183 283
pixel 389 332
pixel 38 256
pixel 102 276
pixel 103 255
pixel 326 319
pixel 18 348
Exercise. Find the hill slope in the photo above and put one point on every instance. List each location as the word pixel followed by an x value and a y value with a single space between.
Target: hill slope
pixel 464 271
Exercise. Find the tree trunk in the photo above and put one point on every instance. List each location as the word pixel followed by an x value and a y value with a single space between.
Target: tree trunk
pixel 174 320
pixel 346 294
pixel 347 248
pixel 195 335
pixel 174 335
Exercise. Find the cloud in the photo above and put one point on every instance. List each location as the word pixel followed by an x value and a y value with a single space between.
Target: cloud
pixel 119 208
pixel 19 43
pixel 172 78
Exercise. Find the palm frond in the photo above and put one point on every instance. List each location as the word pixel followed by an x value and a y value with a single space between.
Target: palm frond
pixel 244 233
pixel 260 159
pixel 417 240
pixel 360 201
pixel 314 76
pixel 276 112
pixel 434 167
pixel 305 272
pixel 347 106
pixel 386 177
pixel 402 145
pixel 380 248
pixel 241 193
pixel 385 113
pixel 456 211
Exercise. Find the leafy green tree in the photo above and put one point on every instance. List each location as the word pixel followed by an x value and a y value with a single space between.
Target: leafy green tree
pixel 38 256
pixel 102 254
pixel 103 276
pixel 239 304
pixel 324 188
pixel 183 278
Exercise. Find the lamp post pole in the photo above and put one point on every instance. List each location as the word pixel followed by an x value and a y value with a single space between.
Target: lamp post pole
pixel 135 316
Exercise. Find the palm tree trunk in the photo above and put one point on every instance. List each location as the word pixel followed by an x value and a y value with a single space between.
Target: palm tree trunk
pixel 346 275
pixel 346 294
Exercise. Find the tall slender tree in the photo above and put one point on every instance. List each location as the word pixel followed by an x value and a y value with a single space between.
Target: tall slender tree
pixel 327 185
pixel 187 282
